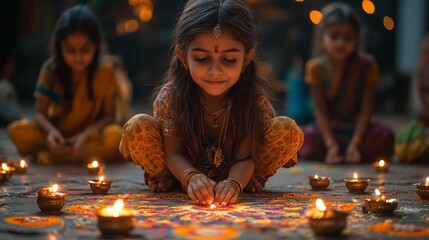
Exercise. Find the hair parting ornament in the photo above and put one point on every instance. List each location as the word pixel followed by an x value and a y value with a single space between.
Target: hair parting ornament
pixel 217 31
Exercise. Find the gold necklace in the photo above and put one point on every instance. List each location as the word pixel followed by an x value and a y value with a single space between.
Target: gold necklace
pixel 212 153
pixel 216 114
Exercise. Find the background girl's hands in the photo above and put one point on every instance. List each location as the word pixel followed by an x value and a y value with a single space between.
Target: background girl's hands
pixel 56 142
pixel 332 156
pixel 353 154
pixel 225 193
pixel 200 189
pixel 78 140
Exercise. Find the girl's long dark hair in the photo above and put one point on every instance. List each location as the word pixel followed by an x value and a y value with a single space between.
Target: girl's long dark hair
pixel 78 19
pixel 246 119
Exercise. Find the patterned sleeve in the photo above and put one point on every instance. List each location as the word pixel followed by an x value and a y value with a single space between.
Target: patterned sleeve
pixel 266 107
pixel 44 86
pixel 311 75
pixel 163 112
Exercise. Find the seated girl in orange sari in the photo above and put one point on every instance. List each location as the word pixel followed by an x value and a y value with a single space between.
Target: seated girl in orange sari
pixel 77 95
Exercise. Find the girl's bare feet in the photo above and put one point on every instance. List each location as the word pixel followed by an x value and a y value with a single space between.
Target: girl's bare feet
pixel 254 185
pixel 161 184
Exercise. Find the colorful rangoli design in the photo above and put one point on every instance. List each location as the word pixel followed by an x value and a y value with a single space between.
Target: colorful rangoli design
pixel 400 229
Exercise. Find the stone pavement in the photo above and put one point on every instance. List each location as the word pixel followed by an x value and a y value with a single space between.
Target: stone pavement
pixel 167 216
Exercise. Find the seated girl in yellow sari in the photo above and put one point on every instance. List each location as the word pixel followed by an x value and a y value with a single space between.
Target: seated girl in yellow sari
pixel 77 94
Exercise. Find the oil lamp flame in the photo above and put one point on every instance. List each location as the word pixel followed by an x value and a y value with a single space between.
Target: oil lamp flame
pixel 54 188
pixel 381 163
pixel 101 179
pixel 4 166
pixel 377 192
pixel 22 163
pixel 316 176
pixel 117 207
pixel 427 179
pixel 212 206
pixel 355 176
pixel 320 205
pixel 94 164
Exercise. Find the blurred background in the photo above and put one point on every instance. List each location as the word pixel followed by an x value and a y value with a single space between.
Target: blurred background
pixel 139 31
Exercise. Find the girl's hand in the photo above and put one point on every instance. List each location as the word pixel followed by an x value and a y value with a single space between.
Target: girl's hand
pixel 332 156
pixel 353 154
pixel 78 140
pixel 225 193
pixel 200 189
pixel 56 141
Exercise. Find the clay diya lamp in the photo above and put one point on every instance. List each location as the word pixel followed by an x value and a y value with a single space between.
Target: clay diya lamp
pixel 6 172
pixel 93 167
pixel 100 186
pixel 381 205
pixel 50 200
pixel 20 166
pixel 356 185
pixel 326 221
pixel 381 166
pixel 422 189
pixel 115 220
pixel 319 183
pixel 5 176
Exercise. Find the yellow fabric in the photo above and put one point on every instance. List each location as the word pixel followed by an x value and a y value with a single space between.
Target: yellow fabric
pixel 84 111
pixel 142 143
pixel 314 76
pixel 30 140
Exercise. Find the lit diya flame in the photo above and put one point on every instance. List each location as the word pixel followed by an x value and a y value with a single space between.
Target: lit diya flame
pixel 316 176
pixel 94 164
pixel 22 164
pixel 377 192
pixel 54 188
pixel 101 179
pixel 381 163
pixel 355 176
pixel 4 167
pixel 320 205
pixel 212 206
pixel 117 207
pixel 427 180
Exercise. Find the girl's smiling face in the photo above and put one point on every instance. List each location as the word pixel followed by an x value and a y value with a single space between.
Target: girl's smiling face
pixel 215 64
pixel 78 51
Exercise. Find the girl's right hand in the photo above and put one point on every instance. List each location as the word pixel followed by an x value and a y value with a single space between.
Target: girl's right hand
pixel 200 189
pixel 332 156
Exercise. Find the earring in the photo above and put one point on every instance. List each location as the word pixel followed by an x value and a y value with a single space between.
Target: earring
pixel 185 67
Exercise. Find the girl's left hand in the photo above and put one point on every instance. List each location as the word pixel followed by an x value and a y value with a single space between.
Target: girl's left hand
pixel 353 154
pixel 78 140
pixel 225 193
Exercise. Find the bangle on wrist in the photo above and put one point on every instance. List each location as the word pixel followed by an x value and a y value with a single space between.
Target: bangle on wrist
pixel 186 177
pixel 236 184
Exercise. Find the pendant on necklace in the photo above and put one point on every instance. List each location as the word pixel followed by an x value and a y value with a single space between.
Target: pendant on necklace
pixel 218 157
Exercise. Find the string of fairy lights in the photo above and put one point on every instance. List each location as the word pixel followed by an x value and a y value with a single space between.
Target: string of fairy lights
pixel 367 6
pixel 143 12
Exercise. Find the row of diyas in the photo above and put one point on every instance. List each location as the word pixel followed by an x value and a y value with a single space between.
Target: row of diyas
pixel 328 221
pixel 358 185
pixel 7 169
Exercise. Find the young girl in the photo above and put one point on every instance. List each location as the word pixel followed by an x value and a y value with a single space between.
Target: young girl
pixel 412 142
pixel 76 96
pixel 213 128
pixel 342 84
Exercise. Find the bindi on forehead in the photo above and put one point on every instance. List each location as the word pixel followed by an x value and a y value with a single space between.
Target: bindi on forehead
pixel 216 49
